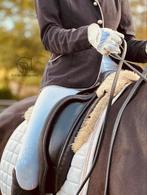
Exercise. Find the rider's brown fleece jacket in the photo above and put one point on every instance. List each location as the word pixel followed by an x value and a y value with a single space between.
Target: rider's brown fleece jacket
pixel 63 26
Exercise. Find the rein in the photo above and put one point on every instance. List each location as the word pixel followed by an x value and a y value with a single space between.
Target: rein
pixel 116 125
pixel 130 66
pixel 114 132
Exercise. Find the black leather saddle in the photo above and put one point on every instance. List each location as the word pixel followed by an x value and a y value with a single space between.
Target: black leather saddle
pixel 61 127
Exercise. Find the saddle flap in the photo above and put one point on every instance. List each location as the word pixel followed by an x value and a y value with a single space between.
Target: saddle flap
pixel 59 132
pixel 63 128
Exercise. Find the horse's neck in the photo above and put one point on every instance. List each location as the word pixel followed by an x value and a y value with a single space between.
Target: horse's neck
pixel 129 154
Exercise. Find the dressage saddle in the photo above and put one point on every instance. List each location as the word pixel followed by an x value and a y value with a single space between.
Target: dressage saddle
pixel 60 129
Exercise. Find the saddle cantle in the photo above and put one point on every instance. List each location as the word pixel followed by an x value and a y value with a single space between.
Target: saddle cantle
pixel 60 129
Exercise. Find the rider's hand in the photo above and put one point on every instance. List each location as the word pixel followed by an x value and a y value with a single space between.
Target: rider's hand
pixel 104 40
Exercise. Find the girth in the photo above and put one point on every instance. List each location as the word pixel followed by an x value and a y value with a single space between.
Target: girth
pixel 59 131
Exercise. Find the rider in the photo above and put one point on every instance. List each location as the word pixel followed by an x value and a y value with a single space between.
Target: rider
pixel 80 34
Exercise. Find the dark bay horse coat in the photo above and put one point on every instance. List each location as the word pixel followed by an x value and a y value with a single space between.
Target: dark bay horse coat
pixel 128 173
pixel 63 25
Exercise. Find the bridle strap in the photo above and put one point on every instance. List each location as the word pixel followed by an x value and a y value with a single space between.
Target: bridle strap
pixel 116 125
pixel 100 139
pixel 130 66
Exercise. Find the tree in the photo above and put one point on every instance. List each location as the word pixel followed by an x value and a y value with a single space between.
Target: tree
pixel 139 12
pixel 21 51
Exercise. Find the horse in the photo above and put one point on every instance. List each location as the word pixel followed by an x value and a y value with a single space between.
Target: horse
pixel 128 174
pixel 11 117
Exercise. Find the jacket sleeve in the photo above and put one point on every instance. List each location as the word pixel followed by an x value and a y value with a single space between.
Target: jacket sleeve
pixel 136 49
pixel 54 37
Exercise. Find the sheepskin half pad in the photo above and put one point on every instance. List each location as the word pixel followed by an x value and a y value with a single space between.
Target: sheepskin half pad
pixel 103 92
pixel 125 78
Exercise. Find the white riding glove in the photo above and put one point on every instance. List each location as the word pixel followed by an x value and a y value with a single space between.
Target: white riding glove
pixel 104 40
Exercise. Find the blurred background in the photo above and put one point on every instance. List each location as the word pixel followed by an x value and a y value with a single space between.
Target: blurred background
pixel 22 56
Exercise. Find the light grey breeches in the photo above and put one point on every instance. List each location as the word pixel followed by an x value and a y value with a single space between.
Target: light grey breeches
pixel 27 166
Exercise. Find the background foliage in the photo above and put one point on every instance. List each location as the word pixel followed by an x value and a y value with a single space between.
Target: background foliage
pixel 22 56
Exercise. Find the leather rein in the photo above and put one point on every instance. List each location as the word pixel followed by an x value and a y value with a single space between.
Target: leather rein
pixel 143 77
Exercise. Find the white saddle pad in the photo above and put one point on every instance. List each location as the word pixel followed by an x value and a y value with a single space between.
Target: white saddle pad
pixel 81 162
pixel 80 165
pixel 9 158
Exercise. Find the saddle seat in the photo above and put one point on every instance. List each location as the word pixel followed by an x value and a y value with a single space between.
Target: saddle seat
pixel 60 129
